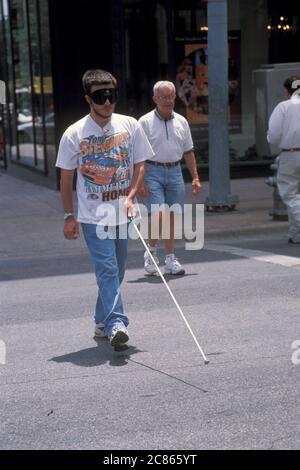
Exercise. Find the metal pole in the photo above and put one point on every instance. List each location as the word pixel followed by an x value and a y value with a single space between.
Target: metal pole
pixel 2 92
pixel 219 171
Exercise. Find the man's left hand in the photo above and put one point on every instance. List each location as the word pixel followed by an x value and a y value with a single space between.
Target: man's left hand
pixel 196 186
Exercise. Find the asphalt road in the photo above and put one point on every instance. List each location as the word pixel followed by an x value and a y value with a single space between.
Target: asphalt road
pixel 60 389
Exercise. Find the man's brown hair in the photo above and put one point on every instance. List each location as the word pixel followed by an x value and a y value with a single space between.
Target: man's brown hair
pixel 97 77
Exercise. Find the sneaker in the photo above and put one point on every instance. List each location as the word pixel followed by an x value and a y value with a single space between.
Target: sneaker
pixel 119 336
pixel 148 263
pixel 293 242
pixel 172 266
pixel 100 331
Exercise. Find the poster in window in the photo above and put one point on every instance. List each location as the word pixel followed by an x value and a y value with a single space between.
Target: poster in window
pixel 192 82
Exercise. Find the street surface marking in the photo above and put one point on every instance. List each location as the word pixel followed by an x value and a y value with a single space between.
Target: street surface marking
pixel 256 255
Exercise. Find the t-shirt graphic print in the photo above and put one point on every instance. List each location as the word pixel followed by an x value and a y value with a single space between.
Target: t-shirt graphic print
pixel 105 164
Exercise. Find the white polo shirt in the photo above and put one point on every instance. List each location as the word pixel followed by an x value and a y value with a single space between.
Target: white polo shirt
pixel 170 139
pixel 104 159
pixel 284 124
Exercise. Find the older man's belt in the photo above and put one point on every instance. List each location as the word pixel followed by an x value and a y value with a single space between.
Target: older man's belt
pixel 167 164
pixel 296 149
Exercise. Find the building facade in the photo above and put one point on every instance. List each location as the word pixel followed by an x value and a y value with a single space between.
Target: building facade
pixel 46 45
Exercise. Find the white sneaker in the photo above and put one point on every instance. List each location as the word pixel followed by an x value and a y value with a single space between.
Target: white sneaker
pixel 119 335
pixel 100 331
pixel 172 266
pixel 148 263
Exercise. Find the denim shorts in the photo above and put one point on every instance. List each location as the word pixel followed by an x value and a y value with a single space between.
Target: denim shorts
pixel 165 186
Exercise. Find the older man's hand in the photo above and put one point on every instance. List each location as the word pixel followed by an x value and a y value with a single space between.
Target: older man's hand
pixel 196 186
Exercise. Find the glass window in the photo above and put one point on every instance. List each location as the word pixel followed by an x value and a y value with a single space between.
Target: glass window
pixel 10 119
pixel 29 81
pixel 2 91
pixel 191 70
pixel 42 98
pixel 248 18
pixel 48 116
pixel 146 52
pixel 247 50
pixel 23 83
pixel 35 133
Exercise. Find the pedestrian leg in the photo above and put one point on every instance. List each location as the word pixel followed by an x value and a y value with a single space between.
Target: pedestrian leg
pixel 109 307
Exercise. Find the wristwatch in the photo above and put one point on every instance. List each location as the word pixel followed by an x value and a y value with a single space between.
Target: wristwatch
pixel 67 215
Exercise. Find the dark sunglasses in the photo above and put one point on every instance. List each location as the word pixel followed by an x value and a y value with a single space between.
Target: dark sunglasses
pixel 100 96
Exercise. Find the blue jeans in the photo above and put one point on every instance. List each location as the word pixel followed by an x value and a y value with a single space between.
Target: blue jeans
pixel 165 186
pixel 109 258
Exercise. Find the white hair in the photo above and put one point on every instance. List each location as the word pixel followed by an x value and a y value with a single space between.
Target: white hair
pixel 163 83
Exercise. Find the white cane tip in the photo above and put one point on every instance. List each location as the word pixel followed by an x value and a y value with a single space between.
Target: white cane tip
pixel 206 362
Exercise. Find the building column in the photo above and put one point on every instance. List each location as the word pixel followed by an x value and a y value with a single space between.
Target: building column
pixel 219 168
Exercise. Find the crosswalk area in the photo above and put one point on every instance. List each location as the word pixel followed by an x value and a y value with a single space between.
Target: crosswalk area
pixel 257 255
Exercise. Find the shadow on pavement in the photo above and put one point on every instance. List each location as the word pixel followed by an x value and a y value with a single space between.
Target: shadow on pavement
pixel 156 279
pixel 101 354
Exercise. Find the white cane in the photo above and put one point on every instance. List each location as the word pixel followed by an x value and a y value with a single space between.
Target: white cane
pixel 132 220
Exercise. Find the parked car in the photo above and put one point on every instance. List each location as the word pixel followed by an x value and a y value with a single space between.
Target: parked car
pixel 24 116
pixel 25 130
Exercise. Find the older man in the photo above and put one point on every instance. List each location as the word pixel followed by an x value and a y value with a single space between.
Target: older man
pixel 170 138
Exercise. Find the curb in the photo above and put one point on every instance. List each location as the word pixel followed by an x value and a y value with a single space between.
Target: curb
pixel 262 229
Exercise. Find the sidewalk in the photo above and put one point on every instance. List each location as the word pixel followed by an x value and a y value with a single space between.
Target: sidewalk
pixel 31 217
pixel 251 216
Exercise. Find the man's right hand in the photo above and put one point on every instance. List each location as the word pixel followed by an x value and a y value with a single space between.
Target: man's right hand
pixel 71 229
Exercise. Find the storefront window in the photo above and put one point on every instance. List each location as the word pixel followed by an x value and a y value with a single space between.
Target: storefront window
pixel 46 85
pixel 247 50
pixel 6 64
pixel 3 161
pixel 191 61
pixel 146 52
pixel 250 19
pixel 284 31
pixel 23 81
pixel 150 41
pixel 168 39
pixel 29 80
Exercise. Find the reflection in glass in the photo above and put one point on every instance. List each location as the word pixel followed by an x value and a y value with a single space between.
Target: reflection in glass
pixel 2 79
pixel 29 81
pixel 10 119
pixel 22 79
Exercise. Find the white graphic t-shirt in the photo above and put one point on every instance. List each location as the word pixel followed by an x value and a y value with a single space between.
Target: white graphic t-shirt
pixel 104 158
